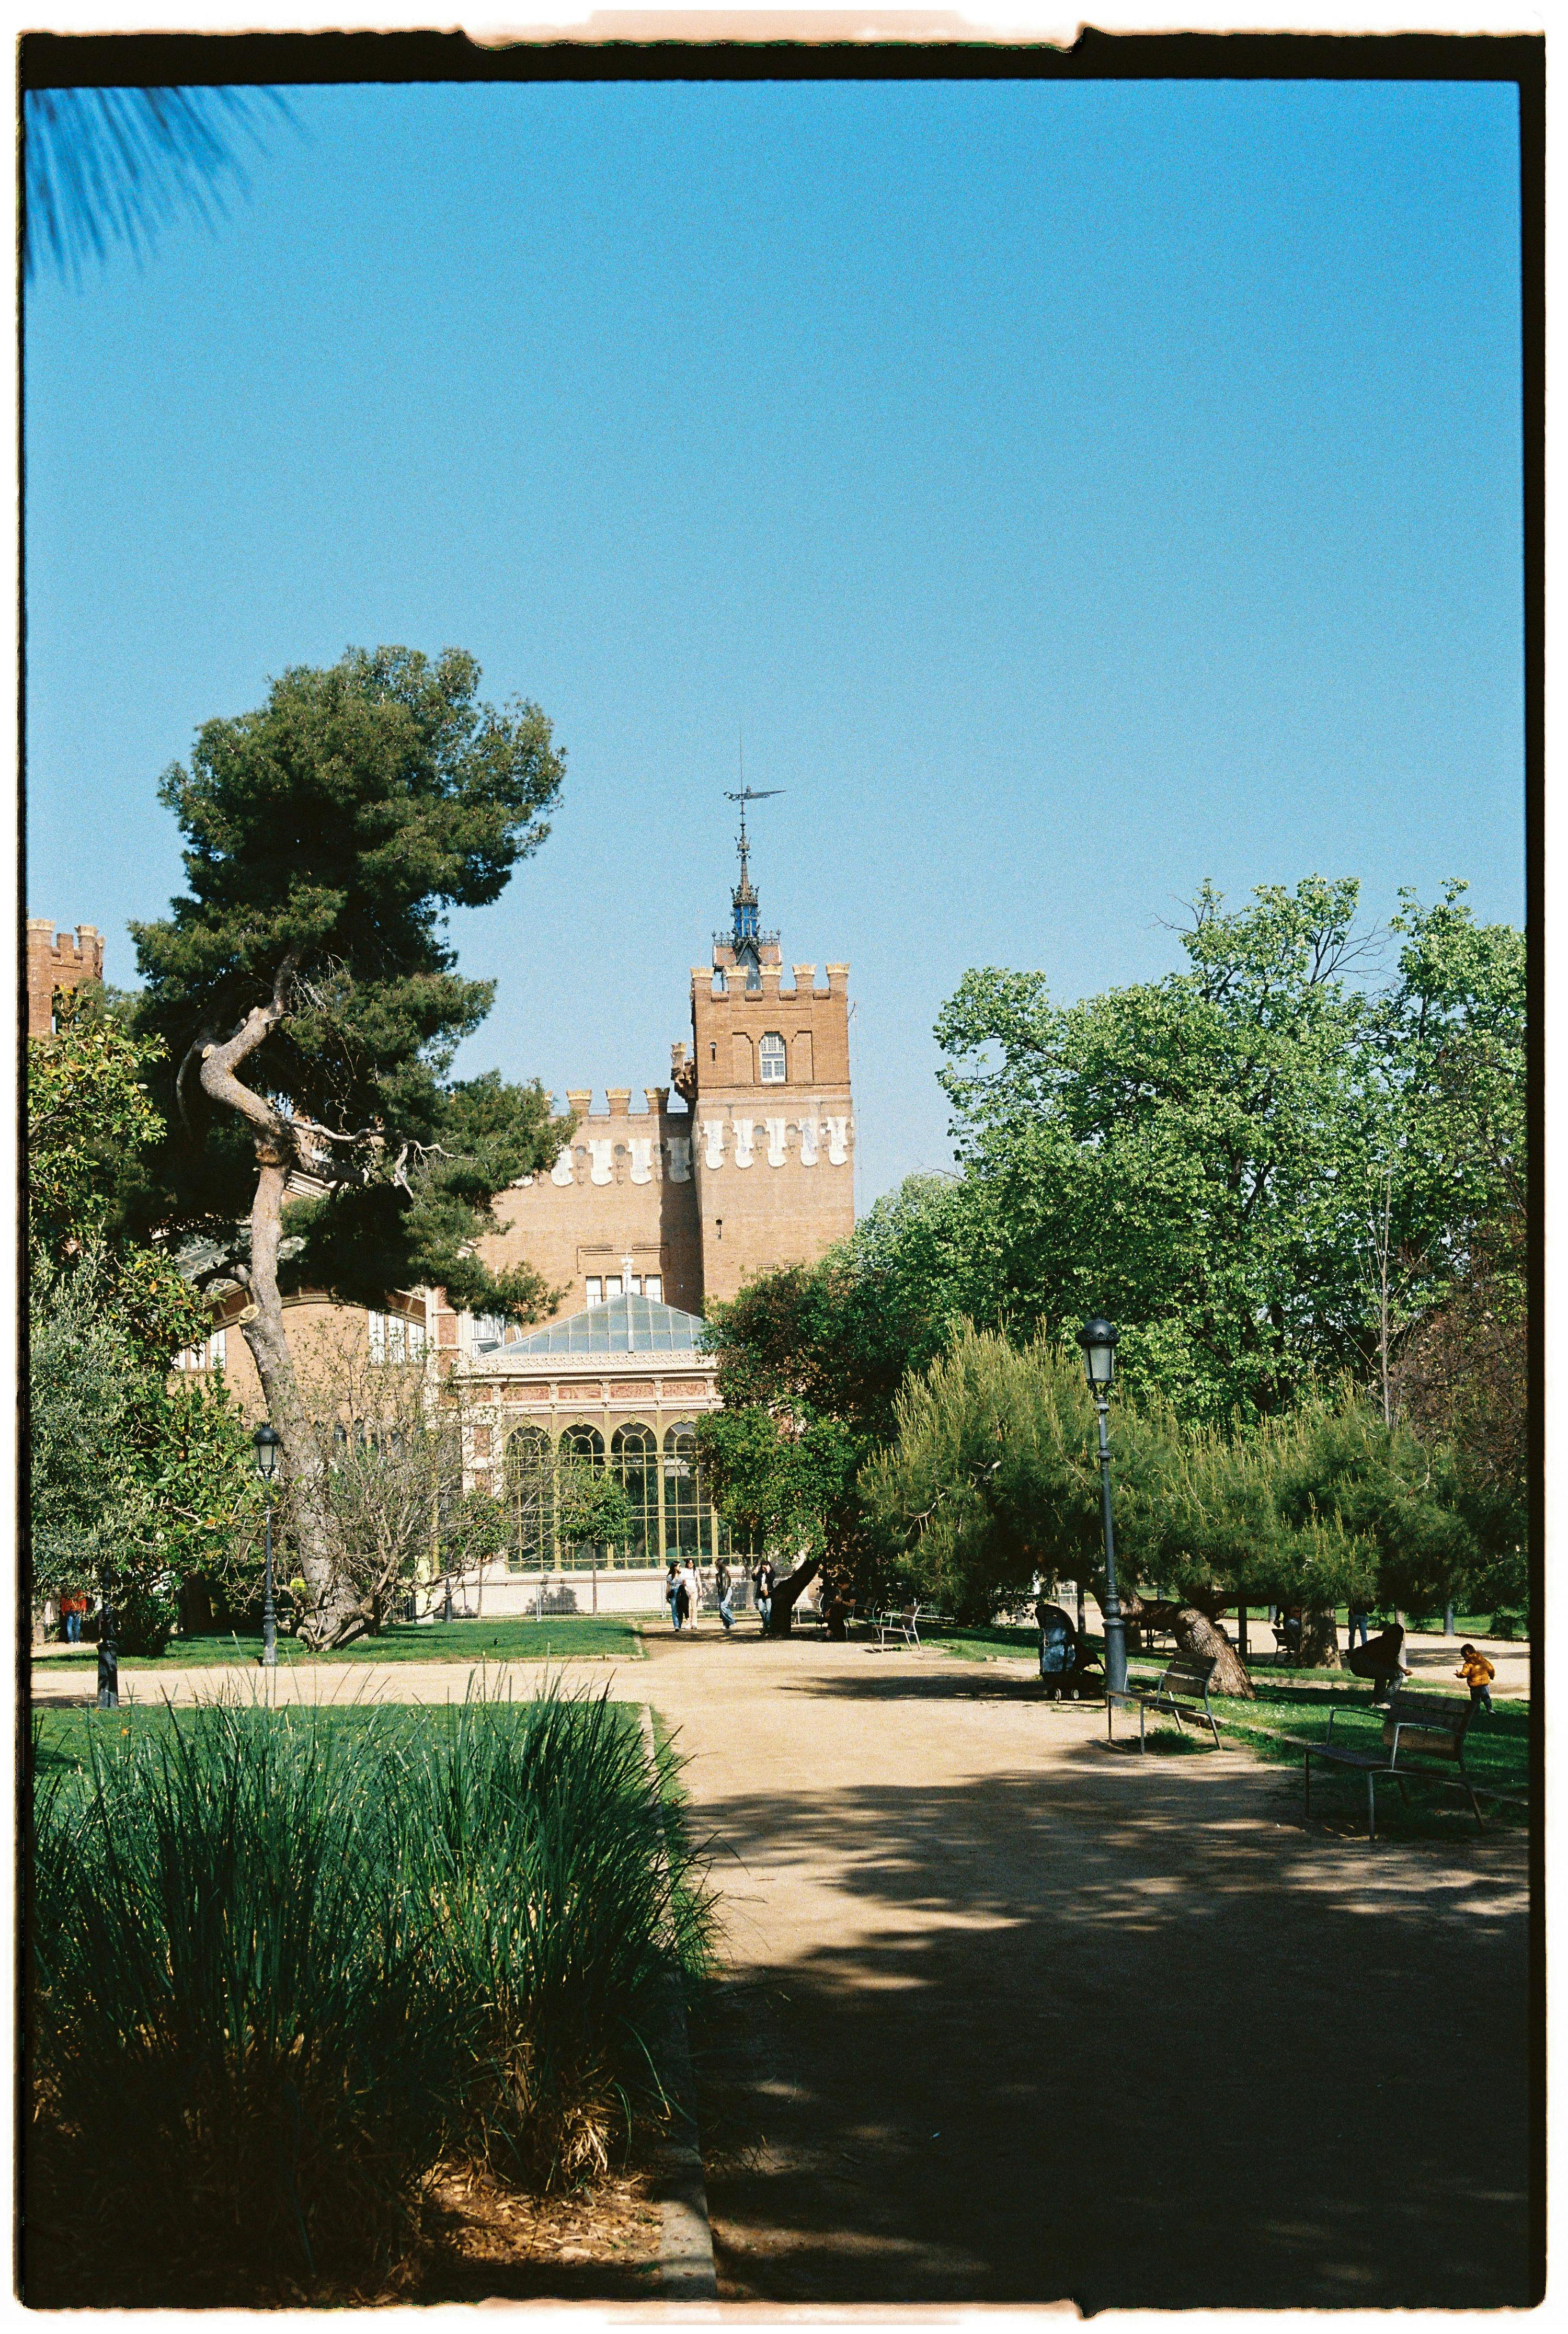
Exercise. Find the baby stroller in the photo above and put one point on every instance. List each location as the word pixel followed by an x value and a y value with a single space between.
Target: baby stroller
pixel 1064 1667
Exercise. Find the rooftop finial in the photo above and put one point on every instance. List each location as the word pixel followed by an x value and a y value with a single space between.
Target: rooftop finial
pixel 744 897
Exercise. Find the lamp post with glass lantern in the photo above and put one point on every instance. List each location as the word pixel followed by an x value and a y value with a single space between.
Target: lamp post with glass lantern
pixel 267 1438
pixel 1098 1339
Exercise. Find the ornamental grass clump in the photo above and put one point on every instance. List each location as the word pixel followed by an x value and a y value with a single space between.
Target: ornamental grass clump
pixel 241 2057
pixel 286 1965
pixel 535 1841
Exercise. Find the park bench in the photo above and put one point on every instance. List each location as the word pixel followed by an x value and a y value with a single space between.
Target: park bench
pixel 902 1627
pixel 1432 1723
pixel 1184 1687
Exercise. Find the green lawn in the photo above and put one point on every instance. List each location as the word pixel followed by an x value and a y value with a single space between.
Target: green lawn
pixel 1298 1702
pixel 557 1637
pixel 988 1645
pixel 1496 1752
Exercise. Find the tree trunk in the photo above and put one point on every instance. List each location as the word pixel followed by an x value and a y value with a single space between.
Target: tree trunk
pixel 335 1613
pixel 334 1616
pixel 1320 1642
pixel 1198 1637
pixel 784 1594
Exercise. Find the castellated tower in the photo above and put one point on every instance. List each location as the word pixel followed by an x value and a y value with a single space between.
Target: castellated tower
pixel 752 1168
pixel 768 1087
pixel 57 960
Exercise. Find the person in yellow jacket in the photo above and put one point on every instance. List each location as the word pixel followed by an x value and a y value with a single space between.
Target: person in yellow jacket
pixel 1477 1673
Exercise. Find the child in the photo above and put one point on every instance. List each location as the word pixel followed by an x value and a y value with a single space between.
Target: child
pixel 1477 1673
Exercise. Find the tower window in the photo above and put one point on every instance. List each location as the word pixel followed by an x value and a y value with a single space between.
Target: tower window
pixel 770 1055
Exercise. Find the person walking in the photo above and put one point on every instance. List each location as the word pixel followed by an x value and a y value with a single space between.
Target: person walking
pixel 672 1595
pixel 762 1581
pixel 1357 1620
pixel 1477 1673
pixel 691 1593
pixel 72 1608
pixel 724 1585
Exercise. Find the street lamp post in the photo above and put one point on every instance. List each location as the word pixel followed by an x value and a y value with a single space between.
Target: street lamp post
pixel 1098 1339
pixel 267 1438
pixel 108 1647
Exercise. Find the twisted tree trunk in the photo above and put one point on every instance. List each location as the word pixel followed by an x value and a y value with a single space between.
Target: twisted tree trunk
pixel 1198 1637
pixel 786 1592
pixel 335 1614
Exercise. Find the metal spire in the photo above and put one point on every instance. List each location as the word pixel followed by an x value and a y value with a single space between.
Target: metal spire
pixel 743 937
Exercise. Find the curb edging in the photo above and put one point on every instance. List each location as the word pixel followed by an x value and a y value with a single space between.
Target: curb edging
pixel 687 2271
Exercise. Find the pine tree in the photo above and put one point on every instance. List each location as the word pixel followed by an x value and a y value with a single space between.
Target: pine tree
pixel 310 1010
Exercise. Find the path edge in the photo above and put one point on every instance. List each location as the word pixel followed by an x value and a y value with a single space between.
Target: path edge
pixel 687 2270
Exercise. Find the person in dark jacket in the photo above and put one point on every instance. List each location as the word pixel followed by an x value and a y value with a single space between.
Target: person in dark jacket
pixel 762 1581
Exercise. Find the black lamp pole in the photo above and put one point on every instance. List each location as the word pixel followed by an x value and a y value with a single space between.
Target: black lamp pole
pixel 108 1647
pixel 267 1438
pixel 1098 1339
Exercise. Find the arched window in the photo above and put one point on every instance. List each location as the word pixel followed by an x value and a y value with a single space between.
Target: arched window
pixel 687 1513
pixel 584 1443
pixel 580 1447
pixel 530 1497
pixel 771 1059
pixel 633 1455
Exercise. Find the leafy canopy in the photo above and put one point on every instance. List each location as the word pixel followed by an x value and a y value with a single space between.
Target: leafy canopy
pixel 1250 1161
pixel 135 1472
pixel 326 834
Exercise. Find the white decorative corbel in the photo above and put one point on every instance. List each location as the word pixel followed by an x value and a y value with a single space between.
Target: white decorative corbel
pixel 641 1149
pixel 712 1133
pixel 775 1140
pixel 808 1127
pixel 744 1130
pixel 601 1153
pixel 838 1129
pixel 681 1157
pixel 561 1170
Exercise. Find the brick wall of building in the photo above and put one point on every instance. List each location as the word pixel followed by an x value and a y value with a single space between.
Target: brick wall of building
pixel 773 1160
pixel 623 1188
pixel 58 961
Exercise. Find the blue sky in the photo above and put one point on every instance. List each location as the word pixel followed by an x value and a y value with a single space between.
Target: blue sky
pixel 1072 491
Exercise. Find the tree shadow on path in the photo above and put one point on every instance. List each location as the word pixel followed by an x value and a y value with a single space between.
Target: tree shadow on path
pixel 1115 2030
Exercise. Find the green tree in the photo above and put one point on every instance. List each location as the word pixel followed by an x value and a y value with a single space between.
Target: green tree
pixel 137 1477
pixel 1174 1154
pixel 809 1363
pixel 135 1482
pixel 326 832
pixel 991 1475
pixel 1447 1151
pixel 1267 1173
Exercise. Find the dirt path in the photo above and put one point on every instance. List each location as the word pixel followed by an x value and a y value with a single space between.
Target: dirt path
pixel 1011 2018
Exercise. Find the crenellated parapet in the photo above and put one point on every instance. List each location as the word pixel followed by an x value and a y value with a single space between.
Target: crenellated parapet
pixel 57 961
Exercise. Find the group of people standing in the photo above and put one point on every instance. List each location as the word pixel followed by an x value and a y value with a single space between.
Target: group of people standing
pixel 683 1591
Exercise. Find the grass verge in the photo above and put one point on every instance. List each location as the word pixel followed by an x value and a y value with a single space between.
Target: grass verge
pixel 567 1636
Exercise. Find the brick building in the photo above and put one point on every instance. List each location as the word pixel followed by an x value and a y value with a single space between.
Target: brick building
pixel 55 962
pixel 751 1167
pixel 744 1163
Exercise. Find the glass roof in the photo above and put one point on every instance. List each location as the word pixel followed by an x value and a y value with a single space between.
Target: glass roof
pixel 626 1325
